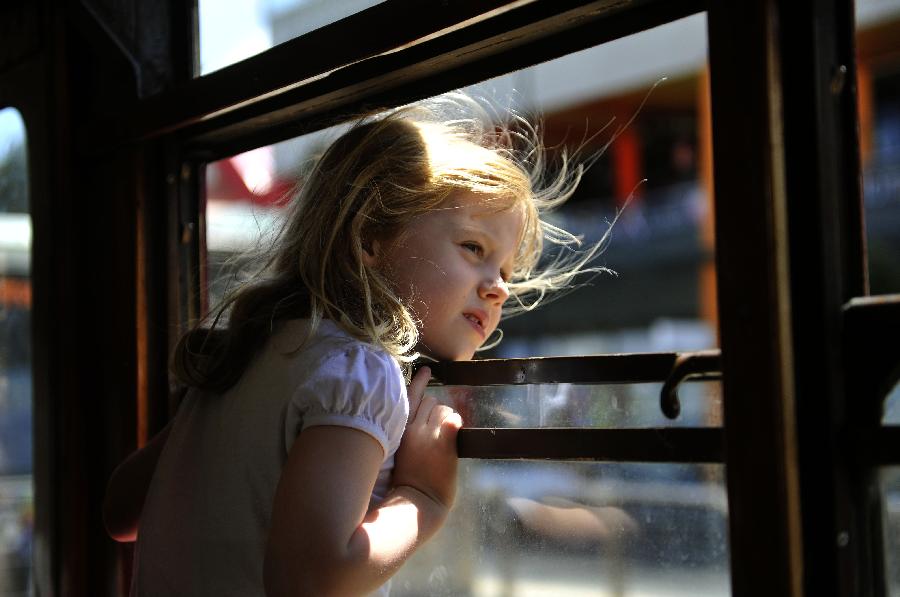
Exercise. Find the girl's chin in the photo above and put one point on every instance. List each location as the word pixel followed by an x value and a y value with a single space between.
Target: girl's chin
pixel 444 355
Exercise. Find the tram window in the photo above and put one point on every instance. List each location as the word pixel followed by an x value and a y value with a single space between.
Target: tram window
pixel 233 31
pixel 16 488
pixel 879 109
pixel 879 106
pixel 660 302
pixel 663 298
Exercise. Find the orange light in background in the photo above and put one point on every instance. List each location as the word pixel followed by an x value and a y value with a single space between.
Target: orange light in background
pixel 627 166
pixel 866 107
pixel 15 292
pixel 708 299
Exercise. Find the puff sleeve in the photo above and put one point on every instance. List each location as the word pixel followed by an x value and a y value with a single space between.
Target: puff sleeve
pixel 353 386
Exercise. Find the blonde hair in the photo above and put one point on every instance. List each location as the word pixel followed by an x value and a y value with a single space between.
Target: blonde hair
pixel 369 185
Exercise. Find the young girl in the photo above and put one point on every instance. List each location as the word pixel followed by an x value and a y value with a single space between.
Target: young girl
pixel 299 461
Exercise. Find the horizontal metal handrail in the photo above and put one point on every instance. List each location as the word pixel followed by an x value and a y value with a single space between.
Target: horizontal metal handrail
pixel 624 368
pixel 663 444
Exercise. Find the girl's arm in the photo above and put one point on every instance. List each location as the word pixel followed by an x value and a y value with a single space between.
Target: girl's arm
pixel 323 539
pixel 127 489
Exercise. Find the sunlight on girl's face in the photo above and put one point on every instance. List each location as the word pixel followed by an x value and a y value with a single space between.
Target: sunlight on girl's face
pixel 450 266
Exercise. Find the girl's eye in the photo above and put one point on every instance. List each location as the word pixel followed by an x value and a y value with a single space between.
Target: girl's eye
pixel 474 248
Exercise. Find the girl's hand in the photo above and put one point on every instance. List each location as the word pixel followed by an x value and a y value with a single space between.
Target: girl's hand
pixel 426 459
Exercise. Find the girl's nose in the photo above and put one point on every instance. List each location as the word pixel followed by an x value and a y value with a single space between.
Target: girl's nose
pixel 495 290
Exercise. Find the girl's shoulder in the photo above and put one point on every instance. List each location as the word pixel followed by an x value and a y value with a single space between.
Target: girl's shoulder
pixel 332 352
pixel 350 383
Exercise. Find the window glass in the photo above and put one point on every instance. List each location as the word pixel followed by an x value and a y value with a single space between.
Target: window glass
pixel 523 528
pixel 558 528
pixel 233 31
pixel 246 199
pixel 650 140
pixel 878 40
pixel 575 405
pixel 890 492
pixel 892 407
pixel 16 489
pixel 662 297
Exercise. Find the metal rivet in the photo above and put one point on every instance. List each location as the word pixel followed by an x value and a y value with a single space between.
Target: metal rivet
pixel 838 79
pixel 843 539
pixel 187 233
pixel 521 376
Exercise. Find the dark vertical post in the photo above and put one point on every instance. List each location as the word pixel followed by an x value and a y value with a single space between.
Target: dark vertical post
pixel 754 302
pixel 826 248
pixel 184 41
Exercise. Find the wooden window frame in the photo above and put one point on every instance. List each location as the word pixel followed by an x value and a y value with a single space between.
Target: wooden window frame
pixel 801 457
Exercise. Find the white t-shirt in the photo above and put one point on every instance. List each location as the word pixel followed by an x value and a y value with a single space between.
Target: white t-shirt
pixel 206 517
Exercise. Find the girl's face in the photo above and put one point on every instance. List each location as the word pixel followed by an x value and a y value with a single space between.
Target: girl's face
pixel 450 266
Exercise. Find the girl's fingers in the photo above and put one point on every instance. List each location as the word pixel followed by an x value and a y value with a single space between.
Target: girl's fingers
pixel 426 407
pixel 425 410
pixel 415 390
pixel 448 428
pixel 438 414
pixel 453 419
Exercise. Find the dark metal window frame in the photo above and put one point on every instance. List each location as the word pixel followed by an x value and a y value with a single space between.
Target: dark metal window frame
pixel 801 456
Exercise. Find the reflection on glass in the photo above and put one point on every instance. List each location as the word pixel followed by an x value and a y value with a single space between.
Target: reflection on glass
pixel 571 529
pixel 574 405
pixel 16 491
pixel 890 495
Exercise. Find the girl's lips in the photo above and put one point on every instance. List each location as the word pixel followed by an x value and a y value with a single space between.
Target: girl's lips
pixel 476 325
